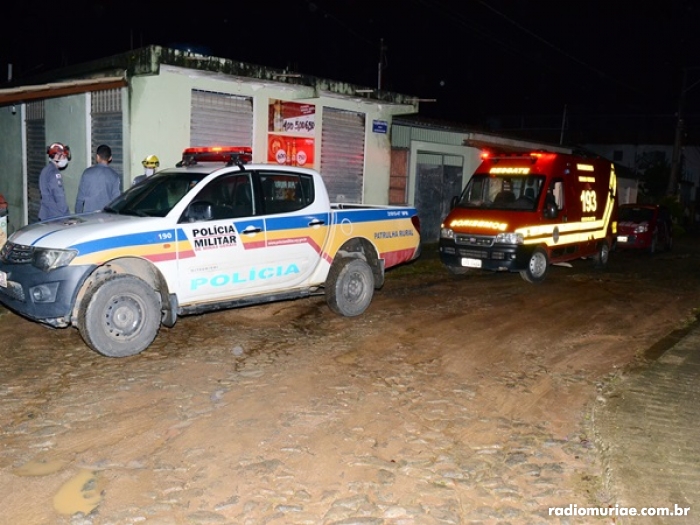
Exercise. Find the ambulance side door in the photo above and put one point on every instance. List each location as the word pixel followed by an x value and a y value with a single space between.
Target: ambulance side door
pixel 214 238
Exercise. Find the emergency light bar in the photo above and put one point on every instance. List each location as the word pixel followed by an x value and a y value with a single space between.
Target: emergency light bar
pixel 229 155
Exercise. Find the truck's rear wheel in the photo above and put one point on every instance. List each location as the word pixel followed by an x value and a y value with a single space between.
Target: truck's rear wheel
pixel 537 267
pixel 349 287
pixel 121 316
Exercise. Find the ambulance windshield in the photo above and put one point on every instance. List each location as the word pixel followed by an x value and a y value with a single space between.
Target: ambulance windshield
pixel 502 192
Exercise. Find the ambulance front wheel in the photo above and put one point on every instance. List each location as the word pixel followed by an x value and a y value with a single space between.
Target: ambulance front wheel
pixel 120 316
pixel 537 267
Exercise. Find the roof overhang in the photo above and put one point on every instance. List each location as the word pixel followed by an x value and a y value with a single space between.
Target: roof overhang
pixel 21 94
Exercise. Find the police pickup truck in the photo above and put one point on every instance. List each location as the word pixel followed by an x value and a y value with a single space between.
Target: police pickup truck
pixel 215 232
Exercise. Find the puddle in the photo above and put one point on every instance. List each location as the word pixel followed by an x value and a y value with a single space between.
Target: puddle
pixel 81 493
pixel 39 468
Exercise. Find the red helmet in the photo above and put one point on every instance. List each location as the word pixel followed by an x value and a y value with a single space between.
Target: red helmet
pixel 57 148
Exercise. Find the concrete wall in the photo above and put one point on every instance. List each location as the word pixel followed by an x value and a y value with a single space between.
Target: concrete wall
pixel 12 164
pixel 159 120
pixel 67 120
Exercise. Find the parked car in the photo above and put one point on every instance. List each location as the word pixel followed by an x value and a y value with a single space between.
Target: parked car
pixel 644 227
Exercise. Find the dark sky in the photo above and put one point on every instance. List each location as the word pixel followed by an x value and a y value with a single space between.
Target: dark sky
pixel 475 57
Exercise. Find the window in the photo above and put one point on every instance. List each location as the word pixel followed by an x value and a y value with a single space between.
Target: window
pixel 230 196
pixel 285 192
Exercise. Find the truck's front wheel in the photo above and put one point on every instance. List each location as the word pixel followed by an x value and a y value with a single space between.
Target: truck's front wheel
pixel 121 316
pixel 349 287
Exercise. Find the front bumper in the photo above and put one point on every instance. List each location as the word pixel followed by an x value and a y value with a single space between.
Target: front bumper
pixel 633 241
pixel 46 297
pixel 494 257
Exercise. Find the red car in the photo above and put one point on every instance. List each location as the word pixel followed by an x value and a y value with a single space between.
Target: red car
pixel 644 227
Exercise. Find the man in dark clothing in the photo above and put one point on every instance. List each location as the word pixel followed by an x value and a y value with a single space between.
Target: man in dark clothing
pixel 53 196
pixel 99 184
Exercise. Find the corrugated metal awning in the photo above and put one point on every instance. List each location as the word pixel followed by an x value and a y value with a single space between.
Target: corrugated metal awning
pixel 58 89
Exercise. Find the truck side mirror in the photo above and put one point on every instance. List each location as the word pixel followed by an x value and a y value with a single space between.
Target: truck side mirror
pixel 453 202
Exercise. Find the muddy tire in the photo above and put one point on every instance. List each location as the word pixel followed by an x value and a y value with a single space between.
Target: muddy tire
pixel 349 287
pixel 537 267
pixel 602 256
pixel 121 316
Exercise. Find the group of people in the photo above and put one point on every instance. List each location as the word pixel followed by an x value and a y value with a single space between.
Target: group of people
pixel 99 183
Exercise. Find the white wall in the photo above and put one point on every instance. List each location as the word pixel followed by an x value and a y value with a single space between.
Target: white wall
pixel 66 121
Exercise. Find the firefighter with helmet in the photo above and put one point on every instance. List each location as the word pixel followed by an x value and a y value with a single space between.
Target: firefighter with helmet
pixel 150 164
pixel 53 195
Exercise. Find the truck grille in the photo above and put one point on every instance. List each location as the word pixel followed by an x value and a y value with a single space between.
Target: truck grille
pixel 474 240
pixel 16 253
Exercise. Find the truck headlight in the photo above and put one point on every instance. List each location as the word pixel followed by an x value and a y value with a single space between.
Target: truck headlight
pixel 48 259
pixel 641 228
pixel 509 238
pixel 447 233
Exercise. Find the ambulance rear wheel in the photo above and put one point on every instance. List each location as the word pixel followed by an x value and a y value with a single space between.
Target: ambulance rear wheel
pixel 120 316
pixel 602 256
pixel 537 267
pixel 349 287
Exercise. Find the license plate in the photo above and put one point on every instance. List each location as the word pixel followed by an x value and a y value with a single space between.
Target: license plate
pixel 622 238
pixel 471 263
pixel 3 279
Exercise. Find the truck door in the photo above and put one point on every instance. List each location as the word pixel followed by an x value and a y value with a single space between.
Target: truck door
pixel 216 258
pixel 295 225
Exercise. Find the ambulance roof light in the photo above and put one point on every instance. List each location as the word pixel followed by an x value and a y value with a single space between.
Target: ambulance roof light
pixel 229 155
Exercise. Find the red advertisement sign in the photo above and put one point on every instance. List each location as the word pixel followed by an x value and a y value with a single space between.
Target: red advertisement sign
pixel 290 151
pixel 291 117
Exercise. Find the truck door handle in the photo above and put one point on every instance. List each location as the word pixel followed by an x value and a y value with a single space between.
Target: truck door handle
pixel 251 230
pixel 317 222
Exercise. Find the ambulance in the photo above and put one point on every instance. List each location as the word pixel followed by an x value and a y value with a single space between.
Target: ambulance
pixel 525 212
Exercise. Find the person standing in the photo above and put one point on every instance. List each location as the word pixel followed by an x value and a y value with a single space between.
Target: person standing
pixel 150 164
pixel 53 196
pixel 99 184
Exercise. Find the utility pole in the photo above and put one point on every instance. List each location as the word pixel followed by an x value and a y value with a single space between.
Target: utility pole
pixel 382 63
pixel 673 180
pixel 672 189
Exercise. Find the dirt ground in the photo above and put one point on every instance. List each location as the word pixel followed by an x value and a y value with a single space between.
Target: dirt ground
pixel 453 399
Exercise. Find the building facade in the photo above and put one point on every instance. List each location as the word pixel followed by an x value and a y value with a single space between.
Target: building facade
pixel 160 101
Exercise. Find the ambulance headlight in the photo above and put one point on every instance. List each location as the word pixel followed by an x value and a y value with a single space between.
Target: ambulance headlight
pixel 447 233
pixel 509 238
pixel 48 259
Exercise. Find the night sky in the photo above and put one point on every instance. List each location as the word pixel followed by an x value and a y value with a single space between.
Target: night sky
pixel 476 58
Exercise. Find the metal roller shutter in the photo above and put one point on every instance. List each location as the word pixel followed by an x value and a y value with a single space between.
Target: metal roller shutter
pixel 218 119
pixel 36 156
pixel 107 119
pixel 343 154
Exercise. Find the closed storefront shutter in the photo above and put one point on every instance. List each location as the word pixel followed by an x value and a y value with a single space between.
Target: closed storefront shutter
pixel 218 119
pixel 343 154
pixel 107 126
pixel 36 156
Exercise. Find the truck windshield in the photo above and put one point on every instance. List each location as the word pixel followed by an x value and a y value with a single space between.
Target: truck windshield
pixel 157 195
pixel 502 192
